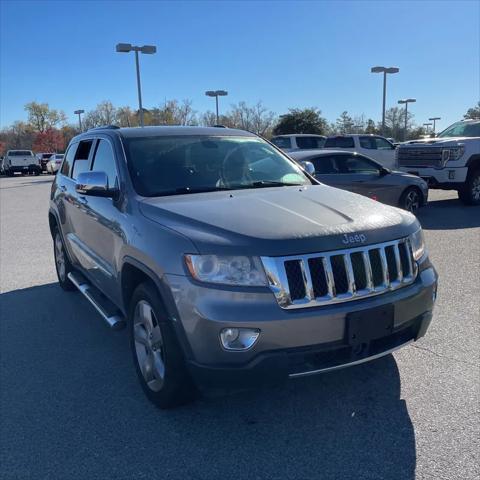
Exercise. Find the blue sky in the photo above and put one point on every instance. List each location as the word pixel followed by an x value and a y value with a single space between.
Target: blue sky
pixel 287 54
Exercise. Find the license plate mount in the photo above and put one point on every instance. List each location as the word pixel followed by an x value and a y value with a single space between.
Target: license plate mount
pixel 370 324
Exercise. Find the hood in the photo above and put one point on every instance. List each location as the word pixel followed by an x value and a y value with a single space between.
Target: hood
pixel 278 221
pixel 436 141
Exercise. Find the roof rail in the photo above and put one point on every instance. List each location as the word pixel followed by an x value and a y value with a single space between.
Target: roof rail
pixel 104 127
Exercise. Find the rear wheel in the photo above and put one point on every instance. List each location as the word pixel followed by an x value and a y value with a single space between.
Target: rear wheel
pixel 156 352
pixel 411 199
pixel 470 192
pixel 62 263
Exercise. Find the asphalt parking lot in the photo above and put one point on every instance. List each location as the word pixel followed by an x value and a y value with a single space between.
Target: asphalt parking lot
pixel 71 407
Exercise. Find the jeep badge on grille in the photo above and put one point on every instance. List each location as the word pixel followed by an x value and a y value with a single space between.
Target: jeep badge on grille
pixel 350 239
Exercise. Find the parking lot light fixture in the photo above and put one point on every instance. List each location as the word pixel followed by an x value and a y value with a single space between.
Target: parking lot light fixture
pixel 146 49
pixel 216 94
pixel 79 113
pixel 385 71
pixel 434 119
pixel 426 125
pixel 406 101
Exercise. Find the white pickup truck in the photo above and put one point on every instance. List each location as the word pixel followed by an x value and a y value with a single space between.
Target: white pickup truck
pixel 23 161
pixel 451 161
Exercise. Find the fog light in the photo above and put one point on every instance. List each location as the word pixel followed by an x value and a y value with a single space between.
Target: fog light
pixel 451 174
pixel 238 338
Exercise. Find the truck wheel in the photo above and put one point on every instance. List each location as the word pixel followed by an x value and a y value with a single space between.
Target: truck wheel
pixel 470 193
pixel 411 199
pixel 62 263
pixel 156 352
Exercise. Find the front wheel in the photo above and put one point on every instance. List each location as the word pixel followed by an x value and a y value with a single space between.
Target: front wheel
pixel 156 352
pixel 470 193
pixel 411 199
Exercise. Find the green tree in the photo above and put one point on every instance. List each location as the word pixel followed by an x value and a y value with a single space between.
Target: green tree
pixel 308 120
pixel 42 118
pixel 370 127
pixel 473 113
pixel 344 123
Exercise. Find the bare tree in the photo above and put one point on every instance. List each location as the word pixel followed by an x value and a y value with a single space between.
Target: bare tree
pixel 41 117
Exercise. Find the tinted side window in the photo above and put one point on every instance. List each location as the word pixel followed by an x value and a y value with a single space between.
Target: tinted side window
pixel 383 144
pixel 339 142
pixel 368 142
pixel 81 164
pixel 282 142
pixel 324 165
pixel 349 164
pixel 68 159
pixel 104 161
pixel 306 143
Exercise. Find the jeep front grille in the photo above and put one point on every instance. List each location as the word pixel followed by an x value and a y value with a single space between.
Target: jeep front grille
pixel 340 276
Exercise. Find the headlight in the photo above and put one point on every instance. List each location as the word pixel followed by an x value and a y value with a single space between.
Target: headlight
pixel 418 244
pixel 452 153
pixel 227 269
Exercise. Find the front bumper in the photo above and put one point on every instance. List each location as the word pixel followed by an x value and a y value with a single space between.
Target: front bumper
pixel 436 178
pixel 291 343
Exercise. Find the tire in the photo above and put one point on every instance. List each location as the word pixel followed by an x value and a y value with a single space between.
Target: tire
pixel 470 193
pixel 157 355
pixel 62 263
pixel 411 199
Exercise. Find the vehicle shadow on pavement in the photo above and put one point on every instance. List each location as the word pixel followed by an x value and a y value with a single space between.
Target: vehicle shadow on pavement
pixel 73 407
pixel 448 215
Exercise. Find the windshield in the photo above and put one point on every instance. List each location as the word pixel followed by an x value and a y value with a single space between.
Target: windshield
pixel 190 164
pixel 462 129
pixel 20 153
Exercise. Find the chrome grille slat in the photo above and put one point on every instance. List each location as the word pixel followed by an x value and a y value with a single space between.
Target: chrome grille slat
pixel 283 280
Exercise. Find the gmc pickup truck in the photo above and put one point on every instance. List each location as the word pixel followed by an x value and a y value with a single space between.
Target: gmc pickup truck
pixel 230 264
pixel 451 161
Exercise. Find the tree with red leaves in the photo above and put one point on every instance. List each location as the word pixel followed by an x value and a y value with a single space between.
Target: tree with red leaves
pixel 50 140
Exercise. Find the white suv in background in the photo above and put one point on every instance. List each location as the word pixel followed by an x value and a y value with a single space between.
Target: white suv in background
pixel 298 141
pixel 373 146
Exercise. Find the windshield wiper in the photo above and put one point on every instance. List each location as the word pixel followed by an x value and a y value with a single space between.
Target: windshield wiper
pixel 184 190
pixel 273 183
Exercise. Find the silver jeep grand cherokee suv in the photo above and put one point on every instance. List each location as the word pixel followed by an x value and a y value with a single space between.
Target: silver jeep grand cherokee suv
pixel 231 265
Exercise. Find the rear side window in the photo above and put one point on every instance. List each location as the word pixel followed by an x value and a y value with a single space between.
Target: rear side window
pixel 308 143
pixel 324 165
pixel 282 142
pixel 351 164
pixel 339 142
pixel 104 161
pixel 81 163
pixel 68 161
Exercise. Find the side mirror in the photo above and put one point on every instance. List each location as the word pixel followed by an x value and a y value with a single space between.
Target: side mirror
pixel 94 184
pixel 308 167
pixel 384 171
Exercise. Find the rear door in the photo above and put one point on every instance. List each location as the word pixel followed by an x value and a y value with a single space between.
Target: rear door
pixel 362 175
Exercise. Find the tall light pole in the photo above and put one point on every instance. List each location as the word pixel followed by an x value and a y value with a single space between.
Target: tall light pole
pixel 216 94
pixel 79 113
pixel 427 125
pixel 385 71
pixel 406 101
pixel 147 49
pixel 434 119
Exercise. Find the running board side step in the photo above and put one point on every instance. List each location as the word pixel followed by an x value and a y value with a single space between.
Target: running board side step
pixel 102 305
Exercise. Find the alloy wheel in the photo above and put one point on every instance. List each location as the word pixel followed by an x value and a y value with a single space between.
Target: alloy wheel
pixel 60 257
pixel 412 201
pixel 476 188
pixel 149 346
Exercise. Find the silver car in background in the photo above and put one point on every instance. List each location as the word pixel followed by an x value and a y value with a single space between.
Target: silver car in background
pixel 359 174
